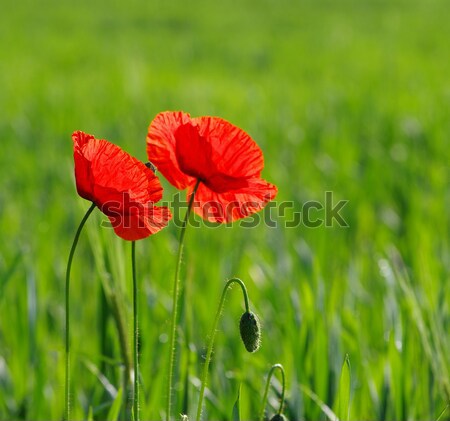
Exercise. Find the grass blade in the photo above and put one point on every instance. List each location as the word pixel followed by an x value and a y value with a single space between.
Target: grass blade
pixel 113 413
pixel 443 412
pixel 343 402
pixel 236 414
pixel 322 405
pixel 90 416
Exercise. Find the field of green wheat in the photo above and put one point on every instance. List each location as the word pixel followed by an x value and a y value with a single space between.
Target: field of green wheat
pixel 349 97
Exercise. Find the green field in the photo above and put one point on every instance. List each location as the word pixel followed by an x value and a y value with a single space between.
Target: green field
pixel 351 97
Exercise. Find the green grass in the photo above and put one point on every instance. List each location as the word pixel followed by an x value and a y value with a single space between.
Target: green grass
pixel 350 97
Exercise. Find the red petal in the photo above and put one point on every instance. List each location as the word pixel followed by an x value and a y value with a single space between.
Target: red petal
pixel 193 152
pixel 80 139
pixel 83 174
pixel 161 146
pixel 103 171
pixel 232 205
pixel 234 153
pixel 141 222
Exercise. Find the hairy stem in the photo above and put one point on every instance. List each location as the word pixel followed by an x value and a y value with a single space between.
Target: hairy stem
pixel 176 287
pixel 266 391
pixel 136 334
pixel 212 336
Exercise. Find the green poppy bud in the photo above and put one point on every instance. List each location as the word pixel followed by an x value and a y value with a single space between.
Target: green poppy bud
pixel 278 417
pixel 250 331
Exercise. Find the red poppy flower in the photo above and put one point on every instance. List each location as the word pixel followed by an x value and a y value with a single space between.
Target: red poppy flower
pixel 122 187
pixel 225 159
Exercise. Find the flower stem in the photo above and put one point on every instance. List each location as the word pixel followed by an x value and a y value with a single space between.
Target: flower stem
pixel 119 320
pixel 67 303
pixel 266 391
pixel 173 326
pixel 136 334
pixel 213 335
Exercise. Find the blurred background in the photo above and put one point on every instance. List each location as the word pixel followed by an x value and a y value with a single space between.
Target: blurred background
pixel 350 97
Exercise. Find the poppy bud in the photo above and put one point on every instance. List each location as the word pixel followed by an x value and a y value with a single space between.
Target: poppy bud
pixel 278 417
pixel 250 331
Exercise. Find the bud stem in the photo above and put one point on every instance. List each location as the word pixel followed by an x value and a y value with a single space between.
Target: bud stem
pixel 176 284
pixel 266 391
pixel 67 303
pixel 213 335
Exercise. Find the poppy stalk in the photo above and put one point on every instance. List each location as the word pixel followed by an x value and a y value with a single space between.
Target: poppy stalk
pixel 67 304
pixel 212 336
pixel 175 295
pixel 136 407
pixel 266 391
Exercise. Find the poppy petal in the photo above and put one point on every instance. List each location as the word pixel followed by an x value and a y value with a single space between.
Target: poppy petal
pixel 230 206
pixel 193 152
pixel 102 168
pixel 234 152
pixel 161 147
pixel 83 174
pixel 140 222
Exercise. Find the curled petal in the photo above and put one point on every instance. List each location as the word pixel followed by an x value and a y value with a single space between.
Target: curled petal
pixel 103 166
pixel 83 154
pixel 161 146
